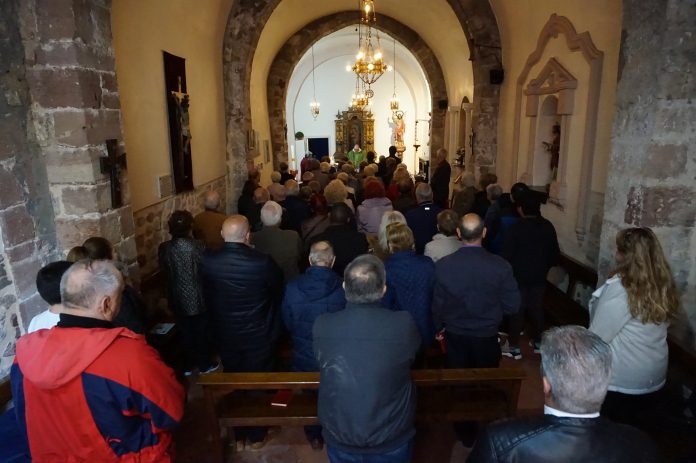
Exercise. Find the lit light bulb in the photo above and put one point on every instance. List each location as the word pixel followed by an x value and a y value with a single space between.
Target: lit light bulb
pixel 370 66
pixel 360 55
pixel 378 55
pixel 348 67
pixel 367 8
pixel 390 68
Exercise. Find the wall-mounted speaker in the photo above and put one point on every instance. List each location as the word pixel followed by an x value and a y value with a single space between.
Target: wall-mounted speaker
pixel 497 76
pixel 442 105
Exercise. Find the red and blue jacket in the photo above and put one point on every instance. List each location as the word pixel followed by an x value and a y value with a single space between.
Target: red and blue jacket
pixel 94 395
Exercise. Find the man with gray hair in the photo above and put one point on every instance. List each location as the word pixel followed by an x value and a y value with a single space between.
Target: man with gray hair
pixel 208 224
pixel 576 368
pixel 422 219
pixel 308 296
pixel 367 400
pixel 276 189
pixel 284 246
pixel 87 391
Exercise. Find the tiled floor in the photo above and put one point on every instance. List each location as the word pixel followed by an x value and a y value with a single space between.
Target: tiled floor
pixel 434 443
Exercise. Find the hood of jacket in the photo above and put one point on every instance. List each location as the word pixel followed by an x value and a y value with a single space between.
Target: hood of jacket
pixel 377 202
pixel 52 358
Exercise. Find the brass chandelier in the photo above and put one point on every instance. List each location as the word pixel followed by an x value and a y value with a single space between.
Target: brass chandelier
pixel 361 97
pixel 369 62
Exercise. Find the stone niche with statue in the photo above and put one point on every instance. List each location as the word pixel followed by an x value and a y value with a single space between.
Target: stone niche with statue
pixel 355 126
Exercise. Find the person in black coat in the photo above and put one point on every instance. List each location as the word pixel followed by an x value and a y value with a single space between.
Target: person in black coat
pixel 347 242
pixel 243 289
pixel 440 179
pixel 576 367
pixel 531 247
pixel 422 220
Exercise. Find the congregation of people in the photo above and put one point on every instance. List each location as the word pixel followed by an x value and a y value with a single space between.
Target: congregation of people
pixel 364 269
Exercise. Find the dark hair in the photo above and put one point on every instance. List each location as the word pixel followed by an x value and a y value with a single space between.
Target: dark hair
pixel 48 281
pixel 364 279
pixel 487 179
pixel 248 188
pixel 370 157
pixel 518 191
pixel 283 166
pixel 340 213
pixel 318 203
pixel 77 253
pixel 180 223
pixel 98 248
pixel 530 206
pixel 405 186
pixel 392 150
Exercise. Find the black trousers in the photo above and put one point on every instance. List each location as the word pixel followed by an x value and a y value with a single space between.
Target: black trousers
pixel 471 352
pixel 531 308
pixel 634 410
pixel 196 339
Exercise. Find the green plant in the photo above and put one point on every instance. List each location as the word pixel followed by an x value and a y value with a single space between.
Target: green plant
pixel 299 136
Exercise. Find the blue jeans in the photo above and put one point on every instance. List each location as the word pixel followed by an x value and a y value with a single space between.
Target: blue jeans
pixel 400 455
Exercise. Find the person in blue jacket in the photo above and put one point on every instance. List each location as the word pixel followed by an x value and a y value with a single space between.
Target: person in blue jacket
pixel 319 290
pixel 410 282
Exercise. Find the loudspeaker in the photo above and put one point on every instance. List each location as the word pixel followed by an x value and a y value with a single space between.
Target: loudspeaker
pixel 442 105
pixel 497 76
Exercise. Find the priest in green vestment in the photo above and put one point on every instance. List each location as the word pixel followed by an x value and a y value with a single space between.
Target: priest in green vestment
pixel 356 156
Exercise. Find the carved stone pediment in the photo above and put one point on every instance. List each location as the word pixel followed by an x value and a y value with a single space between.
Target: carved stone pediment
pixel 552 79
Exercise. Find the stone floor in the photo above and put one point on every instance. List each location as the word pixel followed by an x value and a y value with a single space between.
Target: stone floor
pixel 434 443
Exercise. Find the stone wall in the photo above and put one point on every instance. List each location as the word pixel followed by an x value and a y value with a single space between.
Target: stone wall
pixel 58 104
pixel 653 161
pixel 151 222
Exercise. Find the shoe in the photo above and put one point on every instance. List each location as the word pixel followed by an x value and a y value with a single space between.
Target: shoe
pixel 513 352
pixel 188 372
pixel 536 346
pixel 258 445
pixel 239 446
pixel 211 369
pixel 317 444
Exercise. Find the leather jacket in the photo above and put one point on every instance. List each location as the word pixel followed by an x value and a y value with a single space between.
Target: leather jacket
pixel 552 439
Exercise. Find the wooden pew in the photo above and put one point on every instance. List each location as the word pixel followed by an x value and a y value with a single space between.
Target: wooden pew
pixel 483 394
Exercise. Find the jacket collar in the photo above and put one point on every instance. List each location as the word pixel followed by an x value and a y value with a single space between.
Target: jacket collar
pixel 368 305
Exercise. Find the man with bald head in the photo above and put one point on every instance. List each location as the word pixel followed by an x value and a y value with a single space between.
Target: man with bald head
pixel 243 289
pixel 473 290
pixel 88 391
pixel 207 224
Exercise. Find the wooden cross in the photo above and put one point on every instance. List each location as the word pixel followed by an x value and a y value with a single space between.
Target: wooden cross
pixel 112 165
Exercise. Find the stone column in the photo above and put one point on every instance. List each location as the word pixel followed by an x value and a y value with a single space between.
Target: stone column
pixel 652 168
pixel 58 104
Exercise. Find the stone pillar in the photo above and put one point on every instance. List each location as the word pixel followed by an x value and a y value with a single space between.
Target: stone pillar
pixel 652 168
pixel 58 104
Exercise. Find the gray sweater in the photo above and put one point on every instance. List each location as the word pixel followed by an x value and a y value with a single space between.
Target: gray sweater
pixel 639 350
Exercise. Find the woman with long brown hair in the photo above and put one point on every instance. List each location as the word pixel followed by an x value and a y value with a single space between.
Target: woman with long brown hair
pixel 631 312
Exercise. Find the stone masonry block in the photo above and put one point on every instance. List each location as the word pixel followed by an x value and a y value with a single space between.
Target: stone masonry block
pixel 55 19
pixel 12 135
pixel 660 206
pixel 59 88
pixel 74 54
pixel 74 232
pixel 10 190
pixel 79 200
pixel 24 273
pixel 664 161
pixel 30 308
pixel 17 226
pixel 126 220
pixel 78 166
pixel 78 128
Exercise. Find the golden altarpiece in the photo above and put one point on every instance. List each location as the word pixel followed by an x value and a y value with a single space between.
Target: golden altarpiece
pixel 355 127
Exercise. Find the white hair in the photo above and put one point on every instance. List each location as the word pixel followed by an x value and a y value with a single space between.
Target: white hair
pixel 388 218
pixel 271 214
pixel 275 176
pixel 468 179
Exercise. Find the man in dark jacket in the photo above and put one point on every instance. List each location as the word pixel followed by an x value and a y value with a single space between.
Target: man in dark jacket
pixel 442 173
pixel 422 220
pixel 347 242
pixel 473 290
pixel 576 367
pixel 317 292
pixel 243 289
pixel 297 210
pixel 531 247
pixel 367 400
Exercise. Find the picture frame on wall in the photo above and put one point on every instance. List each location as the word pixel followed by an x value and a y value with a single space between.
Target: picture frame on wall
pixel 267 151
pixel 251 139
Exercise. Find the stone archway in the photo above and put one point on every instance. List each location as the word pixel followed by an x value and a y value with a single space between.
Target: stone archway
pixel 298 44
pixel 245 23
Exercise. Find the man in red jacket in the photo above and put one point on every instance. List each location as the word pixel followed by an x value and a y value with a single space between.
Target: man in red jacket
pixel 86 391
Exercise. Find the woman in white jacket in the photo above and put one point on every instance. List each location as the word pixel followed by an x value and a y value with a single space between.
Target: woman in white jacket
pixel 631 312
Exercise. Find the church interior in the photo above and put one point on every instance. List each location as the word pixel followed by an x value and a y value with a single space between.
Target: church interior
pixel 592 104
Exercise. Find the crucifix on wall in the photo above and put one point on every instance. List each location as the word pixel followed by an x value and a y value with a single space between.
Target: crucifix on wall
pixel 178 102
pixel 112 165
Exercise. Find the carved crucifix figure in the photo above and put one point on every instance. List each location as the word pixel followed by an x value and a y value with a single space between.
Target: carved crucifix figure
pixel 112 164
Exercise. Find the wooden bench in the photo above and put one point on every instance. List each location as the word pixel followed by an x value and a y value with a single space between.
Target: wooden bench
pixel 559 306
pixel 483 394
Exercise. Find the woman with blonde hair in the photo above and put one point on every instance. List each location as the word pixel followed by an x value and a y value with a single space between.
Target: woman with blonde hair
pixel 631 312
pixel 378 244
pixel 410 280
